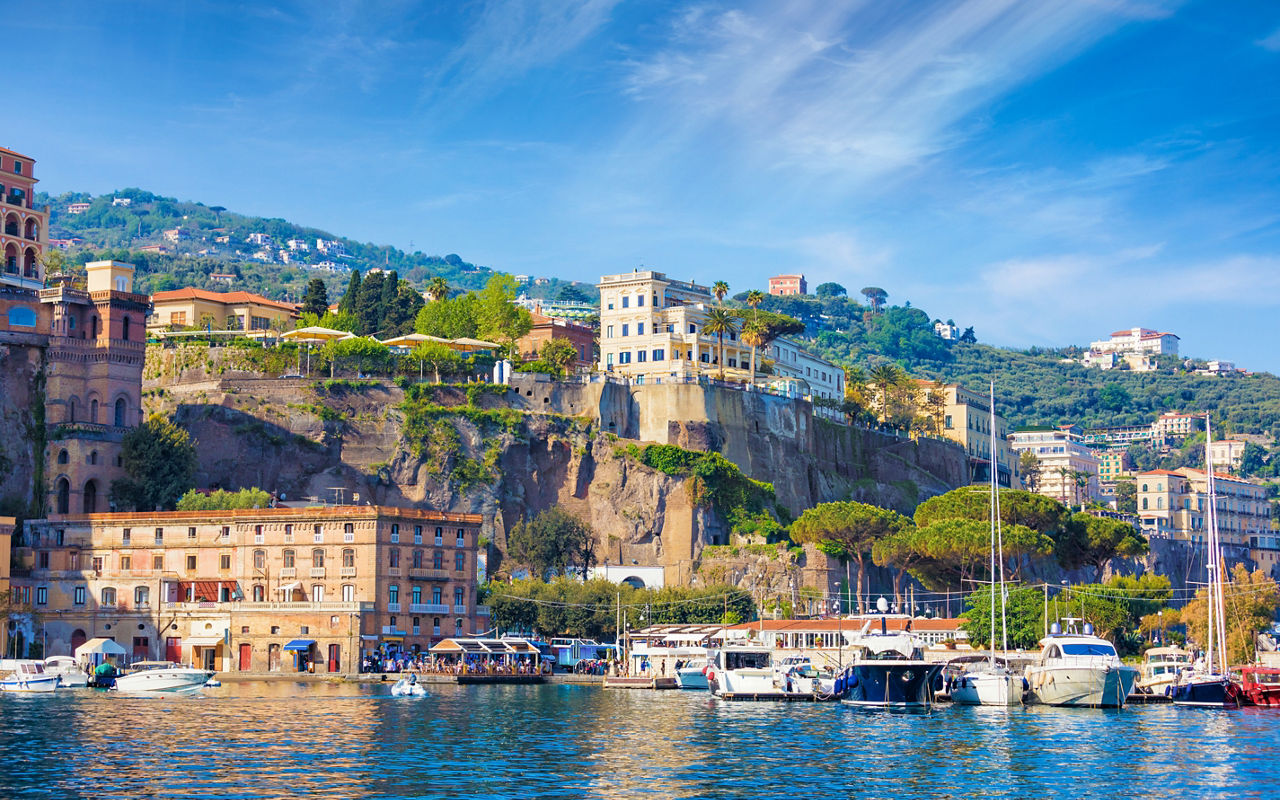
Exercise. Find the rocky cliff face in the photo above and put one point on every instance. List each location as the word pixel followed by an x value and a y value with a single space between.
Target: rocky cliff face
pixel 511 453
pixel 21 421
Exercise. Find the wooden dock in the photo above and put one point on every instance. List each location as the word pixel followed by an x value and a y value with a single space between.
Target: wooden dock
pixel 620 682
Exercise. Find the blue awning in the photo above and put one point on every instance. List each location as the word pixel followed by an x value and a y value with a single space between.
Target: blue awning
pixel 300 644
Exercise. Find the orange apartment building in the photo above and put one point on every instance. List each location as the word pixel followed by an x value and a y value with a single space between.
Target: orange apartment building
pixel 25 232
pixel 253 590
pixel 545 328
pixel 788 284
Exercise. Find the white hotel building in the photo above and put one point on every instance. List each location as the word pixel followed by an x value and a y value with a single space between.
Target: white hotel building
pixel 651 329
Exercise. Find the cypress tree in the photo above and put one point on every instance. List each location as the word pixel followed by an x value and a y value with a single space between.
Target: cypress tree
pixel 316 299
pixel 347 305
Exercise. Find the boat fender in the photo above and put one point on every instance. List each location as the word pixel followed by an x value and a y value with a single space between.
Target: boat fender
pixel 1025 685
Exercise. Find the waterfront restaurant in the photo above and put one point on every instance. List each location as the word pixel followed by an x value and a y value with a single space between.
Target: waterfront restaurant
pixel 661 646
pixel 481 655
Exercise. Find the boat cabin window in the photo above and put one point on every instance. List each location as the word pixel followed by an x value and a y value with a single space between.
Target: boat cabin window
pixel 746 660
pixel 1089 649
pixel 1052 651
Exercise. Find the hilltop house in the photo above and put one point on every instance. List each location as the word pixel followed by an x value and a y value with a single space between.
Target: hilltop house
pixel 232 311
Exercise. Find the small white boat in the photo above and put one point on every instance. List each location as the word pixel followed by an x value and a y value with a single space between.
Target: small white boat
pixel 408 686
pixel 1160 668
pixel 693 675
pixel 162 677
pixel 69 673
pixel 988 685
pixel 1080 670
pixel 743 671
pixel 29 676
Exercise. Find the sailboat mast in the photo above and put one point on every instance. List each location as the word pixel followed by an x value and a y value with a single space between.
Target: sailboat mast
pixel 1211 550
pixel 992 513
pixel 1217 577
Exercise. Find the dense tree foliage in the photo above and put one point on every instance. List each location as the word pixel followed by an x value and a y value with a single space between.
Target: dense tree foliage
pixel 552 543
pixel 568 607
pixel 1250 601
pixel 160 466
pixel 222 500
pixel 848 531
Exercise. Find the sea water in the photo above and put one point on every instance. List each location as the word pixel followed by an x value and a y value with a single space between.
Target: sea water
pixel 268 739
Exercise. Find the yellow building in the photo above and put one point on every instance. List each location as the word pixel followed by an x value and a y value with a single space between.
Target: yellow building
pixel 256 589
pixel 1172 504
pixel 967 421
pixel 229 311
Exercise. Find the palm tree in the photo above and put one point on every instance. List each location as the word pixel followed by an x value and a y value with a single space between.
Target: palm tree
pixel 438 288
pixel 754 298
pixel 718 322
pixel 886 376
pixel 754 335
pixel 720 289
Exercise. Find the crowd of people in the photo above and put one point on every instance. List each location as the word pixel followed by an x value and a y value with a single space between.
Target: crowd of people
pixel 424 664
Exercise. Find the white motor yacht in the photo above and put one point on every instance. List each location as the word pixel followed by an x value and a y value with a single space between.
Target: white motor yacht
pixel 693 675
pixel 162 677
pixel 69 673
pixel 1160 668
pixel 29 676
pixel 1079 670
pixel 988 684
pixel 743 671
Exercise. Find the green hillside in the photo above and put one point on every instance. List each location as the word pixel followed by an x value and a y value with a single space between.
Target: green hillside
pixel 118 231
pixel 1033 387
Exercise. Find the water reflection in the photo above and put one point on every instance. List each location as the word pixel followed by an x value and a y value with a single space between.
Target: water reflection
pixel 280 739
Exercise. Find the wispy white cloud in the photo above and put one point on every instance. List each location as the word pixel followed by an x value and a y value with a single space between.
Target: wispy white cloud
pixel 507 39
pixel 856 88
pixel 1271 42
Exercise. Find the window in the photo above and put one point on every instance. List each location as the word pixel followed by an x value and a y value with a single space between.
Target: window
pixel 317 534
pixel 608 360
pixel 624 357
pixel 17 167
pixel 108 596
pixel 42 595
pixel 288 533
pixel 348 593
pixel 437 560
pixel 157 563
pixel 439 536
pixel 126 563
pixel 96 564
pixel 191 563
pixel 191 533
pixel 317 593
pixel 393 593
pixel 641 355
pixel 317 558
pixel 349 532
pixel 44 560
pixel 693 328
pixel 639 329
pixel 435 594
pixel 417 534
pixel 224 561
pixel 257 534
pixel 417 595
pixel 462 538
pixel 63 458
pixel 417 625
pixel 125 536
pixel 417 559
pixel 658 354
pixel 349 558
pixel 177 318
pixel 259 593
pixel 947 423
pixel 73 561
pixel 288 559
pixel 626 302
pixel 457 626
pixel 457 596
pixel 1144 504
pixel 79 595
pixel 608 332
pixel 460 561
pixel 159 535
pixel 626 329
pixel 394 559
pixel 640 301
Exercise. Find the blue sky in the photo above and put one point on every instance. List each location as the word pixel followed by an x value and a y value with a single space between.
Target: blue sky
pixel 1044 171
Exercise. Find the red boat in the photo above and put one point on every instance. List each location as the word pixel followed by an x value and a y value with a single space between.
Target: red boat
pixel 1261 685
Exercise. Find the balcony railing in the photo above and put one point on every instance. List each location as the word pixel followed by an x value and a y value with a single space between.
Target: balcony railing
pixel 459 609
pixel 317 572
pixel 288 572
pixel 347 572
pixel 428 608
pixel 482 611
pixel 425 574
pixel 393 572
pixel 302 605
pixel 392 630
pixel 394 608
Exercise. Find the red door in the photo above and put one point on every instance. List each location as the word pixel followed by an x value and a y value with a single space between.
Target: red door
pixel 78 638
pixel 246 657
pixel 335 657
pixel 173 649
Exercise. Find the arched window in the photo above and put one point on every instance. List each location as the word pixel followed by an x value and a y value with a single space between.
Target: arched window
pixel 93 410
pixel 93 456
pixel 63 458
pixel 259 593
pixel 1159 502
pixel 142 596
pixel 417 559
pixel 64 495
pixel 91 497
pixel 317 558
pixel 437 560
pixel 348 593
pixel 1144 504
pixel 259 559
pixel 120 411
pixel 108 596
pixel 288 559
pixel 348 557
pixel 71 410
pixel 393 558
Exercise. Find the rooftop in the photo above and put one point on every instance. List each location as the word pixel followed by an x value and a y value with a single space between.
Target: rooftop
pixel 227 298
pixel 345 512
